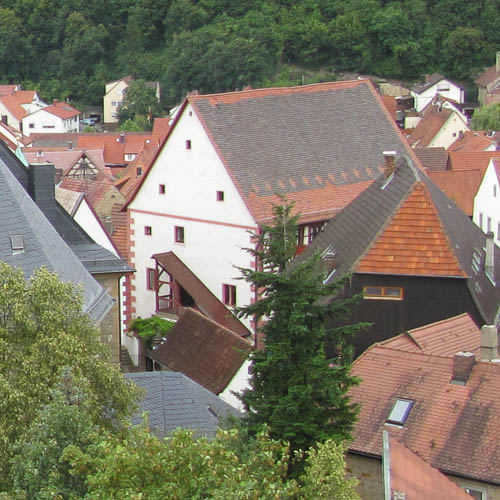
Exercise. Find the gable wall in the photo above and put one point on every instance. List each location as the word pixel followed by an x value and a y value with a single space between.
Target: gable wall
pixel 44 122
pixel 487 204
pixel 12 121
pixel 450 132
pixel 113 95
pixel 215 231
pixel 422 99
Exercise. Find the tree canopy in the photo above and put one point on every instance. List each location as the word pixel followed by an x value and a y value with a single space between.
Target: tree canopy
pixel 42 333
pixel 295 389
pixel 72 49
pixel 486 117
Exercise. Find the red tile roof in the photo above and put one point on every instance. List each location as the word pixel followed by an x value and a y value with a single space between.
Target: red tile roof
pixel 161 127
pixel 413 242
pixel 477 160
pixel 496 164
pixel 62 110
pixel 203 350
pixel 452 427
pixel 14 107
pixel 459 185
pixel 24 96
pixel 390 104
pixel 443 338
pixel 472 141
pixel 120 234
pixel 488 76
pixel 417 479
pixel 428 127
pixel 8 89
pixel 433 159
pixel 65 159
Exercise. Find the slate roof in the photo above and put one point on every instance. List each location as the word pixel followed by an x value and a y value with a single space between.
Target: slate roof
pixel 203 350
pixel 174 401
pixel 417 479
pixel 318 144
pixel 407 226
pixel 443 338
pixel 459 185
pixel 433 159
pixel 19 215
pixel 452 427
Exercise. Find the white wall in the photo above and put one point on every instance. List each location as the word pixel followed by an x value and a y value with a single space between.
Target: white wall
pixel 114 94
pixel 44 122
pixel 450 132
pixel 86 218
pixel 486 203
pixel 422 99
pixel 215 231
pixel 238 384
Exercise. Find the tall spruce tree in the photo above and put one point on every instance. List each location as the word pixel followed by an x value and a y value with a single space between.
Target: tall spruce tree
pixel 299 393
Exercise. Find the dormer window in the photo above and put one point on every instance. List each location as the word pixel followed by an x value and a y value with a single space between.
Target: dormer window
pixel 17 243
pixel 400 411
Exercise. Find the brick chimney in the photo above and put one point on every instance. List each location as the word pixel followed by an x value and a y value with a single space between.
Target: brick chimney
pixel 463 362
pixel 390 160
pixel 489 343
pixel 489 260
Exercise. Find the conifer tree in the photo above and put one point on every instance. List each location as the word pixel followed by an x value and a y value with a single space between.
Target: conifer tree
pixel 299 393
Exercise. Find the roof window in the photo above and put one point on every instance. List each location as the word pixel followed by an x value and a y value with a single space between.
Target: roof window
pixel 17 243
pixel 400 411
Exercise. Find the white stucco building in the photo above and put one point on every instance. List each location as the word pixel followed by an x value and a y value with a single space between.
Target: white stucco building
pixel 59 117
pixel 436 84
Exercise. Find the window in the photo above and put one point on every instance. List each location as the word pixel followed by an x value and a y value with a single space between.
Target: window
pixel 229 295
pixel 494 190
pixel 475 493
pixel 31 125
pixel 383 292
pixel 308 232
pixel 488 225
pixel 443 86
pixel 400 411
pixel 17 243
pixel 129 157
pixel 179 234
pixel 138 171
pixel 188 144
pixel 113 103
pixel 148 230
pixel 151 278
pixel 481 221
pixel 161 188
pixel 220 195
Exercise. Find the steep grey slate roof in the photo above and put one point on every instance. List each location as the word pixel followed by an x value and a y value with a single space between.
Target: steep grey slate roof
pixel 271 135
pixel 19 215
pixel 356 228
pixel 175 401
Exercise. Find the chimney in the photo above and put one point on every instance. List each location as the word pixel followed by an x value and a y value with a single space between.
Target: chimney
pixel 390 159
pixel 55 101
pixel 489 260
pixel 463 362
pixel 122 138
pixel 489 343
pixel 42 190
pixel 498 62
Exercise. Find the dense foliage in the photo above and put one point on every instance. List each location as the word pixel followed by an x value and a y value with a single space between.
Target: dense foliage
pixel 486 117
pixel 295 389
pixel 70 49
pixel 149 328
pixel 43 333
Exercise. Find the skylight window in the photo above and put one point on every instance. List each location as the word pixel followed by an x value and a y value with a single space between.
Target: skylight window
pixel 400 411
pixel 17 243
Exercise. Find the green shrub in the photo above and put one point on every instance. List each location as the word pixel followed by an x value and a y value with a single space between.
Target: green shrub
pixel 149 328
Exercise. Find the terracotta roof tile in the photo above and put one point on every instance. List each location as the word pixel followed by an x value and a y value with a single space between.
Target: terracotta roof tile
pixel 120 229
pixel 428 127
pixel 14 107
pixel 452 427
pixel 477 160
pixel 472 141
pixel 417 228
pixel 488 76
pixel 203 350
pixel 161 127
pixel 62 110
pixel 443 338
pixel 24 96
pixel 459 185
pixel 8 89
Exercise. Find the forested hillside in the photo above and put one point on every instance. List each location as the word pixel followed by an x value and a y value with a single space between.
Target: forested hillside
pixel 71 48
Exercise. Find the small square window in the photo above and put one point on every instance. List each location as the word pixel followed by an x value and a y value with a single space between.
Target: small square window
pixel 400 411
pixel 138 171
pixel 475 493
pixel 220 195
pixel 229 295
pixel 161 188
pixel 32 125
pixel 188 144
pixel 179 234
pixel 151 278
pixel 17 243
pixel 148 230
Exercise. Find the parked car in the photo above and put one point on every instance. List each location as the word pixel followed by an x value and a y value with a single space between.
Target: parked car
pixel 88 122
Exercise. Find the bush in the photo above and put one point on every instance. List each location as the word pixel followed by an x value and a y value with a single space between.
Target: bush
pixel 149 328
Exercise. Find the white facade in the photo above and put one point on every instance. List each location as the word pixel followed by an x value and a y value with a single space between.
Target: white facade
pixel 42 121
pixel 449 132
pixel 444 87
pixel 487 203
pixel 216 231
pixel 238 384
pixel 113 100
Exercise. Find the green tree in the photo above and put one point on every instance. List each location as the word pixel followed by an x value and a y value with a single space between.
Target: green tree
pixel 486 117
pixel 140 101
pixel 295 389
pixel 42 331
